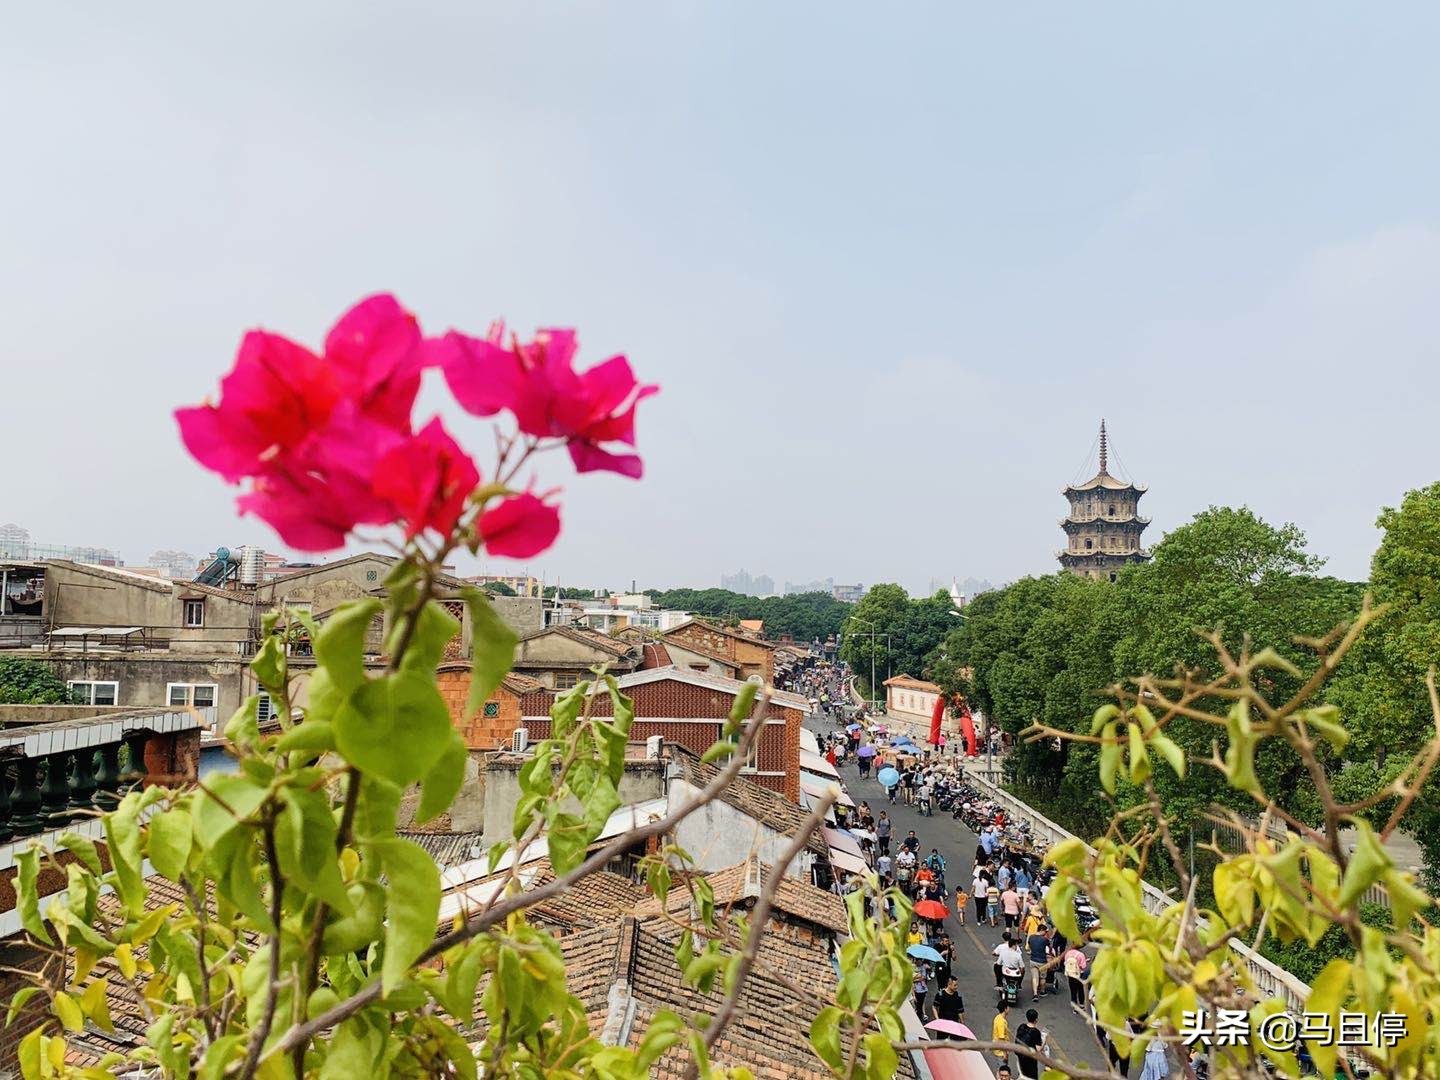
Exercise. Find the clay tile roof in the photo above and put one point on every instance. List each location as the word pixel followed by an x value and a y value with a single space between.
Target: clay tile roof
pixel 655 654
pixel 737 885
pixel 635 958
pixel 709 654
pixel 585 637
pixel 717 628
pixel 768 807
pixel 446 848
pixel 909 683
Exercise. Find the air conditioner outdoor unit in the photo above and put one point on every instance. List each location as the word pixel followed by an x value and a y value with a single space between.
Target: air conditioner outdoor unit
pixel 653 745
pixel 519 740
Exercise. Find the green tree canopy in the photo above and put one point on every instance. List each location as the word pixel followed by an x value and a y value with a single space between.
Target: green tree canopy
pixel 29 682
pixel 916 630
pixel 803 616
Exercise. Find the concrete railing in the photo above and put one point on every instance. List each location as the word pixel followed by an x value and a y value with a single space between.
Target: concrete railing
pixel 1269 980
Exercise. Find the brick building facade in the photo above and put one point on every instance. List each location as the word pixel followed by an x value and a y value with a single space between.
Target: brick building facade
pixel 755 657
pixel 690 708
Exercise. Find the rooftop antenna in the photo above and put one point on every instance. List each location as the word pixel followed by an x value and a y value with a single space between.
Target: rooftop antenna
pixel 1104 453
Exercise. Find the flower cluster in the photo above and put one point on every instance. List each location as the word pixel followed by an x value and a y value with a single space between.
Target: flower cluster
pixel 327 444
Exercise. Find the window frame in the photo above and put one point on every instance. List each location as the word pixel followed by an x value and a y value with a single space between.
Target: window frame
pixel 572 676
pixel 187 606
pixel 71 684
pixel 265 703
pixel 189 702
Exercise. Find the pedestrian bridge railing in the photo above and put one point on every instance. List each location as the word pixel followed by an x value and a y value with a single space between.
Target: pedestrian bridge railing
pixel 1269 979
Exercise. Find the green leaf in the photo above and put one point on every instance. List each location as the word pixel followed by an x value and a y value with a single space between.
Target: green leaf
pixel 122 833
pixel 433 632
pixel 168 840
pixel 412 907
pixel 305 842
pixel 309 736
pixel 1103 715
pixel 442 783
pixel 1109 757
pixel 364 923
pixel 1368 864
pixel 84 849
pixel 1173 755
pixel 218 1056
pixel 1139 756
pixel 395 727
pixel 95 1004
pixel 243 727
pixel 492 649
pixel 225 800
pixel 825 1036
pixel 17 1002
pixel 376 810
pixel 881 1060
pixel 567 837
pixel 27 864
pixel 352 1052
pixel 340 645
pixel 69 1014
pixel 269 665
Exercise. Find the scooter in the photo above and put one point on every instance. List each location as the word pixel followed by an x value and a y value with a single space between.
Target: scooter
pixel 1010 986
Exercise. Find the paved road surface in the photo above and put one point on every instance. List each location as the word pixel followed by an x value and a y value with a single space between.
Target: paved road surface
pixel 1070 1036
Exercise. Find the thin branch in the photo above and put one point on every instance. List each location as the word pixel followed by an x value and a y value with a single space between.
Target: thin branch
pixel 267 1018
pixel 498 912
pixel 759 918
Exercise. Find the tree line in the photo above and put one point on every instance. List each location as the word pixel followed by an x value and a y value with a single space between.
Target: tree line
pixel 1043 649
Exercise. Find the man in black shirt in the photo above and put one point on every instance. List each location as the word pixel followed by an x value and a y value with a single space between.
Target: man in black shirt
pixel 1029 1034
pixel 911 843
pixel 948 1003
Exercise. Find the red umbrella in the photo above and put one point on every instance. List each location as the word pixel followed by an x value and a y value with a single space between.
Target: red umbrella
pixel 931 909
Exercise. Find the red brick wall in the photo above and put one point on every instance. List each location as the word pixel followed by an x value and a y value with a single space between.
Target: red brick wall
pixel 172 759
pixel 479 731
pixel 778 749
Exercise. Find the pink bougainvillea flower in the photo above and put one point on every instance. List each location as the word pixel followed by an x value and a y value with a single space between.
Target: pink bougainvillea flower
pixel 375 351
pixel 538 383
pixel 520 526
pixel 310 430
pixel 277 393
pixel 427 478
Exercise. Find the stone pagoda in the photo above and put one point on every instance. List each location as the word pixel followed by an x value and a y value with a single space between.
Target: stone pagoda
pixel 1103 528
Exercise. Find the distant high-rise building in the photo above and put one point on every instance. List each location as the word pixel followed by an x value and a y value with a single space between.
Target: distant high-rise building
pixel 742 582
pixel 825 586
pixel 850 594
pixel 13 536
pixel 1103 527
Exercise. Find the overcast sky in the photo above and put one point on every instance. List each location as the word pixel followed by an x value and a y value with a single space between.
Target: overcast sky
pixel 890 263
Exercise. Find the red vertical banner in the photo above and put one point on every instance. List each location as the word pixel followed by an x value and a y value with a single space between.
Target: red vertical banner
pixel 936 716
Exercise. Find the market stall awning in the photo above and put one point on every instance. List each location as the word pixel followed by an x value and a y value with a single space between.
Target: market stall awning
pixel 815 789
pixel 850 864
pixel 955 1063
pixel 839 838
pixel 817 764
pixel 808 741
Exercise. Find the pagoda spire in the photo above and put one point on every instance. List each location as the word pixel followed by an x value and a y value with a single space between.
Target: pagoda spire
pixel 1104 449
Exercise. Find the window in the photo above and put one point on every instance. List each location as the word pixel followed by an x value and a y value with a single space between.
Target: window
pixel 565 680
pixel 492 709
pixel 94 693
pixel 1089 544
pixel 194 612
pixel 372 575
pixel 1112 509
pixel 752 759
pixel 198 695
pixel 264 708
pixel 1112 575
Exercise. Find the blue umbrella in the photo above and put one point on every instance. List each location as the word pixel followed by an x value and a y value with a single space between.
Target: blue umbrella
pixel 854 727
pixel 924 952
pixel 888 776
pixel 903 740
pixel 865 751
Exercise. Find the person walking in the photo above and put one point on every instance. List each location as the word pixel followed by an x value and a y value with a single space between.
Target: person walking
pixel 921 988
pixel 1000 1032
pixel 1010 905
pixel 1157 1064
pixel 962 901
pixel 1029 1034
pixel 1075 962
pixel 1039 946
pixel 948 1003
pixel 882 832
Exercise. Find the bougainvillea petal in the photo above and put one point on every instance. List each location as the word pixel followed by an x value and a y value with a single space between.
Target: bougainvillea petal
pixel 428 479
pixel 590 458
pixel 277 393
pixel 376 350
pixel 483 376
pixel 520 526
